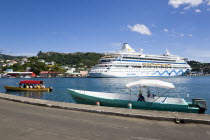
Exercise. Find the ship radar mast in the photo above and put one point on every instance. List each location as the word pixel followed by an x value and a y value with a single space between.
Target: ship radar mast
pixel 141 51
pixel 167 52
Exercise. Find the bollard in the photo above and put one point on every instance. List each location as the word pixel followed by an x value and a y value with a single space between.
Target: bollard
pixel 129 105
pixel 98 103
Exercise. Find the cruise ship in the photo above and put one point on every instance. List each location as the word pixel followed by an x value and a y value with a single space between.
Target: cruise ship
pixel 128 63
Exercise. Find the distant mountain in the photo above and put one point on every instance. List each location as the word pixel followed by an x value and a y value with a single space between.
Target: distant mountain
pixel 9 57
pixel 198 66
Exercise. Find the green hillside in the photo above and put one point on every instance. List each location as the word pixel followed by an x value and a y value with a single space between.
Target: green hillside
pixel 88 59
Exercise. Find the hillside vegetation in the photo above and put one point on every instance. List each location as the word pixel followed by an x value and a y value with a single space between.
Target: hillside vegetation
pixel 76 60
pixel 88 59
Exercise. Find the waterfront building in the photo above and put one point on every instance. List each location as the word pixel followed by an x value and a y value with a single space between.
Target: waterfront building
pixel 83 73
pixel 49 74
pixel 21 74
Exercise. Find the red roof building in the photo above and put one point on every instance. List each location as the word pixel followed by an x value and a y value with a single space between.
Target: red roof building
pixel 21 74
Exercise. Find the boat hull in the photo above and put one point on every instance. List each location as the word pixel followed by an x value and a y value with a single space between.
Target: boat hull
pixel 163 73
pixel 87 99
pixel 10 88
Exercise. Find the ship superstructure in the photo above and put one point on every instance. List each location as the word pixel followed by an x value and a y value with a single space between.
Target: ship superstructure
pixel 128 63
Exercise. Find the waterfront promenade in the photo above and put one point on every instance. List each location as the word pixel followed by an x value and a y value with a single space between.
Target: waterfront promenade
pixel 25 121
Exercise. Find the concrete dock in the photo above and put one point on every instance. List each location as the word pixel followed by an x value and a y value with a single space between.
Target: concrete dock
pixel 56 120
pixel 137 113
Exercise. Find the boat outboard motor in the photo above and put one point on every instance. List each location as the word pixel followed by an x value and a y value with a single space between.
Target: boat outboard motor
pixel 51 88
pixel 201 104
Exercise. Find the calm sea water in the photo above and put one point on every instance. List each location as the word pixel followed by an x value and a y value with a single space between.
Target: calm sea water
pixel 196 87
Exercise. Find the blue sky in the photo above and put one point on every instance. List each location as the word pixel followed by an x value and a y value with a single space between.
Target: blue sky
pixel 30 26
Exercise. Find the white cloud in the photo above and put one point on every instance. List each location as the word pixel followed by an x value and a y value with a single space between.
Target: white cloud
pixel 165 30
pixel 153 25
pixel 140 28
pixel 208 2
pixel 181 34
pixel 197 10
pixel 191 3
pixel 190 35
pixel 187 8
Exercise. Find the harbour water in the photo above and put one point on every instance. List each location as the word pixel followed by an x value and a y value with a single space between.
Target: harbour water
pixel 196 87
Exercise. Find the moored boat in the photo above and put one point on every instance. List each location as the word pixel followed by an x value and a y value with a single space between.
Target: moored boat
pixel 129 63
pixel 29 85
pixel 150 101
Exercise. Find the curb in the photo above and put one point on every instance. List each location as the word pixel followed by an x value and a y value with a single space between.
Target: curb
pixel 135 113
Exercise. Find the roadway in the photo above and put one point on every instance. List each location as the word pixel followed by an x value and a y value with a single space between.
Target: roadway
pixel 24 121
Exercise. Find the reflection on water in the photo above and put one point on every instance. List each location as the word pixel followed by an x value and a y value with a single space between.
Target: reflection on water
pixel 196 87
pixel 30 94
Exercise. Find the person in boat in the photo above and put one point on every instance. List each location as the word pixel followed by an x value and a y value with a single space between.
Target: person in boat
pixel 35 86
pixel 39 86
pixel 149 94
pixel 141 97
pixel 27 86
pixel 20 85
pixel 43 86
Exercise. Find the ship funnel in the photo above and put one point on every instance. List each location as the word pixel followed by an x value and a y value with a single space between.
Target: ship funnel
pixel 127 48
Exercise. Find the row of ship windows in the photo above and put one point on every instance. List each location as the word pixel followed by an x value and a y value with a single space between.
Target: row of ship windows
pixel 150 59
pixel 126 71
pixel 118 66
pixel 109 60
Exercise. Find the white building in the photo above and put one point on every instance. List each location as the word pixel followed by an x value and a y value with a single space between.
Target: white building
pixel 41 60
pixel 50 63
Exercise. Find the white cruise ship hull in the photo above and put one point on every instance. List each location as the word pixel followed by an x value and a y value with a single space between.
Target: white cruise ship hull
pixel 164 73
pixel 128 63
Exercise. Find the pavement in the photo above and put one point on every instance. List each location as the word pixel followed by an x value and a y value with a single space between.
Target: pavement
pixel 53 120
pixel 135 113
